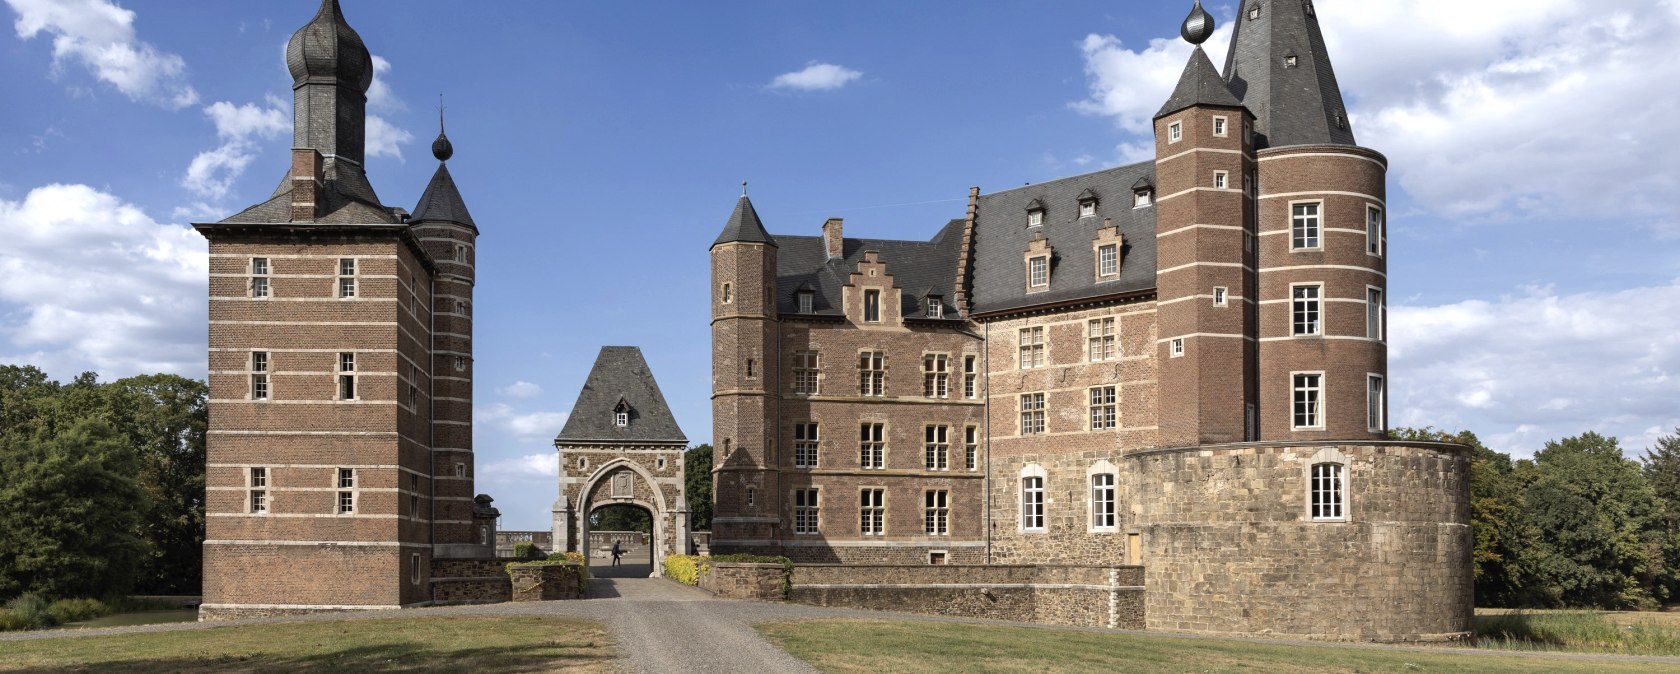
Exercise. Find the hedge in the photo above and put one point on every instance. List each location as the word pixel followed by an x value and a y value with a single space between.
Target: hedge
pixel 684 569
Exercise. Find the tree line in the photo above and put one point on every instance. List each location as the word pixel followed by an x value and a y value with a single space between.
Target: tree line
pixel 1580 525
pixel 101 485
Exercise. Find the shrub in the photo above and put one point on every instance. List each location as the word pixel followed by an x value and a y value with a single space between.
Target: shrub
pixel 684 569
pixel 66 611
pixel 527 550
pixel 8 623
pixel 29 612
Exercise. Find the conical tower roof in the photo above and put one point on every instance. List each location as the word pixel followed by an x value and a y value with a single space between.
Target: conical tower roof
pixel 442 202
pixel 1199 85
pixel 744 226
pixel 1279 68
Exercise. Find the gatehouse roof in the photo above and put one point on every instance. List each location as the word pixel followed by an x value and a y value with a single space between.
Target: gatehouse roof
pixel 621 374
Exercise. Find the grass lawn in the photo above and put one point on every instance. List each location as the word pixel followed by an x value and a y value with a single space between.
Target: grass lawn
pixel 459 644
pixel 895 646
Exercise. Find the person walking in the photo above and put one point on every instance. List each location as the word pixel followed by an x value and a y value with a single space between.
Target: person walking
pixel 617 552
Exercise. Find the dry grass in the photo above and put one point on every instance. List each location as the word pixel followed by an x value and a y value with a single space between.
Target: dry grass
pixel 1621 633
pixel 461 644
pixel 917 647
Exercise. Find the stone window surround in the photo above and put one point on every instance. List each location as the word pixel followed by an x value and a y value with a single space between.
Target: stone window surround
pixel 1374 314
pixel 347 272
pixel 1376 394
pixel 1323 412
pixel 1330 455
pixel 261 363
pixel 1312 307
pixel 1031 471
pixel 807 444
pixel 936 375
pixel 1374 230
pixel 1175 131
pixel 260 272
pixel 812 509
pixel 1221 126
pixel 936 512
pixel 872 372
pixel 1322 216
pixel 879 510
pixel 1103 467
pixel 877 448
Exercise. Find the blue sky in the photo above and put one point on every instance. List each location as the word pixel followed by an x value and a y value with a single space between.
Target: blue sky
pixel 1535 250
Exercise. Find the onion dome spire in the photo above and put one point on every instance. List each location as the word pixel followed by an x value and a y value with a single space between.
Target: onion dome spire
pixel 442 148
pixel 1198 27
pixel 327 47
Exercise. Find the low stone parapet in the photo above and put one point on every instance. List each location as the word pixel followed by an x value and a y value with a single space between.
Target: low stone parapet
pixel 737 580
pixel 546 582
pixel 1111 597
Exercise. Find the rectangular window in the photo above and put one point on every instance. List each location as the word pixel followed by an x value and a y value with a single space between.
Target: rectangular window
pixel 872 306
pixel 1141 198
pixel 872 373
pixel 805 511
pixel 259 277
pixel 971 448
pixel 872 452
pixel 938 446
pixel 872 512
pixel 937 508
pixel 259 491
pixel 1221 179
pixel 1032 503
pixel 1307 310
pixel 1373 230
pixel 414 568
pixel 1108 260
pixel 1104 411
pixel 461 254
pixel 1304 227
pixel 728 294
pixel 346 502
pixel 1175 132
pixel 259 375
pixel 1219 124
pixel 346 478
pixel 1102 501
pixel 1038 272
pixel 971 377
pixel 805 371
pixel 414 496
pixel 1309 409
pixel 935 378
pixel 1327 491
pixel 347 277
pixel 1032 347
pixel 1032 413
pixel 1374 410
pixel 1087 209
pixel 413 387
pixel 1101 342
pixel 805 445
pixel 1175 348
pixel 935 306
pixel 1374 313
pixel 1221 296
pixel 347 376
pixel 807 303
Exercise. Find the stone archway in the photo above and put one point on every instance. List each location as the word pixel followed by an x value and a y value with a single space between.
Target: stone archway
pixel 624 480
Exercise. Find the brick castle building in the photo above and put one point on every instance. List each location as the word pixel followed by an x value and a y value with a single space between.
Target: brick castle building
pixel 1179 364
pixel 340 444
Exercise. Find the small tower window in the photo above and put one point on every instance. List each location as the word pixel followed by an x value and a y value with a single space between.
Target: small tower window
pixel 752 368
pixel 728 293
pixel 461 254
pixel 1254 12
pixel 1221 179
pixel 1175 132
pixel 1291 60
pixel 1220 126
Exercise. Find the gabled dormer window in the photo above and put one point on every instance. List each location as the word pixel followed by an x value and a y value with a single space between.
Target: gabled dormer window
pixel 807 301
pixel 935 306
pixel 1035 213
pixel 1290 60
pixel 1087 204
pixel 621 414
pixel 1142 197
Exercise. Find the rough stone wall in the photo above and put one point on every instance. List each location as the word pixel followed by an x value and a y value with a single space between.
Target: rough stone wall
pixel 546 582
pixel 1230 546
pixel 470 581
pixel 763 582
pixel 1077 596
pixel 596 469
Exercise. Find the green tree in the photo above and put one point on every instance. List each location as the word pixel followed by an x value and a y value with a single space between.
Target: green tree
pixel 697 483
pixel 165 418
pixel 1662 469
pixel 621 518
pixel 69 509
pixel 1495 506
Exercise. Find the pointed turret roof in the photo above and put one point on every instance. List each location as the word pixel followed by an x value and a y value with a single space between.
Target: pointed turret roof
pixel 441 202
pixel 744 226
pixel 1279 68
pixel 621 375
pixel 1199 85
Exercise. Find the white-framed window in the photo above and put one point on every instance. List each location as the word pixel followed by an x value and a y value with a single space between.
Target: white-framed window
pixel 1032 501
pixel 1373 230
pixel 937 443
pixel 1306 309
pixel 1035 218
pixel 805 512
pixel 1108 260
pixel 937 512
pixel 259 375
pixel 346 478
pixel 872 511
pixel 1221 179
pixel 1038 272
pixel 1105 414
pixel 1101 344
pixel 1032 413
pixel 1175 348
pixel 872 446
pixel 413 294
pixel 1142 198
pixel 971 377
pixel 936 379
pixel 1032 347
pixel 461 253
pixel 1329 495
pixel 347 277
pixel 259 491
pixel 1304 226
pixel 807 302
pixel 935 306
pixel 728 293
pixel 1220 126
pixel 805 372
pixel 1175 132
pixel 1103 516
pixel 347 503
pixel 1375 411
pixel 1221 296
pixel 872 373
pixel 621 419
pixel 872 306
pixel 805 445
pixel 971 448
pixel 1308 400
pixel 347 375
pixel 1088 208
pixel 1374 312
pixel 259 277
pixel 414 569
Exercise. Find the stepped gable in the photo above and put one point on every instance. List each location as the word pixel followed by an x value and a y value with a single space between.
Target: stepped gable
pixel 918 268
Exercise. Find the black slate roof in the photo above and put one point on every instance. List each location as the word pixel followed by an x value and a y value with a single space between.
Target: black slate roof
pixel 441 202
pixel 744 226
pixel 621 374
pixel 1200 84
pixel 349 200
pixel 1300 105
pixel 1001 236
pixel 918 268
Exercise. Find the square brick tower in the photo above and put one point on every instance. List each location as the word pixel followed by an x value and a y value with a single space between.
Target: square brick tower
pixel 338 464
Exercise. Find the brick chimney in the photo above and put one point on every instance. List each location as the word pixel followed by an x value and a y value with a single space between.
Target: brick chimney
pixel 308 187
pixel 833 239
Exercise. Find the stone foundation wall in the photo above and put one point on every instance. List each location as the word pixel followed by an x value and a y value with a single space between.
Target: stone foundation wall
pixel 470 581
pixel 546 582
pixel 898 555
pixel 764 582
pixel 1111 597
pixel 218 614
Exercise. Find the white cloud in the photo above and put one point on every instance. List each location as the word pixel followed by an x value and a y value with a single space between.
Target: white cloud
pixel 529 467
pixel 90 282
pixel 520 389
pixel 212 173
pixel 1540 365
pixel 244 121
pixel 816 77
pixel 379 95
pixel 385 139
pixel 1130 86
pixel 524 426
pixel 100 36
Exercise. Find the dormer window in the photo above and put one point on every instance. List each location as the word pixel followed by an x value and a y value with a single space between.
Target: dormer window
pixel 1291 60
pixel 1141 198
pixel 1087 204
pixel 1254 12
pixel 621 414
pixel 1035 213
pixel 807 301
pixel 935 306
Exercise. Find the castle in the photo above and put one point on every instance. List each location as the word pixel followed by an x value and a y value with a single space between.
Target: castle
pixel 1179 364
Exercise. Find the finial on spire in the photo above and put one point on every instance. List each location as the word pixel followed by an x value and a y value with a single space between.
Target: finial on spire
pixel 442 148
pixel 743 188
pixel 1198 27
